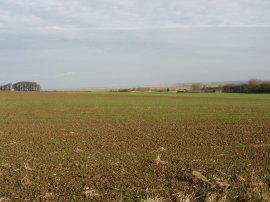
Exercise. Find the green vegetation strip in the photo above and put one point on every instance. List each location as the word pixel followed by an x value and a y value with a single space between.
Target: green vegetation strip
pixel 59 106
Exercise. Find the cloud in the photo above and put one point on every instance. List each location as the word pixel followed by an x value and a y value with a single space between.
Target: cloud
pixel 79 40
pixel 132 14
pixel 90 19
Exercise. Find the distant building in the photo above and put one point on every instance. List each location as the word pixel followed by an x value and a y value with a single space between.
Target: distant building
pixel 213 89
pixel 182 90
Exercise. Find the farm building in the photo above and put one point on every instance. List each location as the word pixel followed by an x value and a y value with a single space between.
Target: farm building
pixel 213 89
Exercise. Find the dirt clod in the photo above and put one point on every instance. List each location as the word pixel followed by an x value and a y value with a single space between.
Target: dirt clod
pixel 91 193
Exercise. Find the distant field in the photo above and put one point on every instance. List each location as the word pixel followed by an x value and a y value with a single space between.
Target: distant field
pixel 83 106
pixel 85 146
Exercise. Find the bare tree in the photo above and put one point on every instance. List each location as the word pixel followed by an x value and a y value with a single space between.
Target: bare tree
pixel 6 87
pixel 196 87
pixel 254 82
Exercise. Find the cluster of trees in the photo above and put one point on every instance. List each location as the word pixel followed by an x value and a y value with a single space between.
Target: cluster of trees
pixel 253 86
pixel 21 86
pixel 6 87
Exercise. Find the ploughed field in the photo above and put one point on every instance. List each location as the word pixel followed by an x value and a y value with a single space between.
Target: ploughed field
pixel 82 146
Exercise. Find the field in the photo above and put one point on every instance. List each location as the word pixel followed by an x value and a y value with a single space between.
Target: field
pixel 83 146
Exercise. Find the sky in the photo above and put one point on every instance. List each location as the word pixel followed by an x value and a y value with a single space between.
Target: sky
pixel 116 43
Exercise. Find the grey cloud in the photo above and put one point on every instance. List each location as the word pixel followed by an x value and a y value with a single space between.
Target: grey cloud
pixel 108 14
pixel 76 43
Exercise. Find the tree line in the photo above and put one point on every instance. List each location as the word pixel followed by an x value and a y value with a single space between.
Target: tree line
pixel 253 86
pixel 21 86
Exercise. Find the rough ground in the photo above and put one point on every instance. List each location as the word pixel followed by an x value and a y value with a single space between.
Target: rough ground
pixel 110 159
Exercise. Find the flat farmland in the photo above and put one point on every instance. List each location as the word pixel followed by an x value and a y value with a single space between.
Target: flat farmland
pixel 84 146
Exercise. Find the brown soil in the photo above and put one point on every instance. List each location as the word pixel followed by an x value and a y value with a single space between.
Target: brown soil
pixel 116 160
